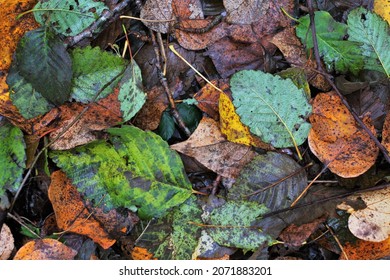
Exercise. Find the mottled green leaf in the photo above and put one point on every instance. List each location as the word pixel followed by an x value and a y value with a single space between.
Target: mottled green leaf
pixel 42 60
pixel 135 169
pixel 68 17
pixel 337 53
pixel 257 179
pixel 233 225
pixel 273 108
pixel 372 32
pixel 29 102
pixel 131 94
pixel 175 236
pixel 94 68
pixel 13 158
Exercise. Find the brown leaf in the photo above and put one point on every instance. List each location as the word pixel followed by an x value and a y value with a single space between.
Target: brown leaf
pixel 6 243
pixel 386 133
pixel 208 146
pixel 12 29
pixel 45 249
pixel 74 216
pixel 148 118
pixel 296 235
pixel 160 11
pixel 337 140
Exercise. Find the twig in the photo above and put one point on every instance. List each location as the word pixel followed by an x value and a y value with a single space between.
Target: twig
pixel 337 241
pixel 330 81
pixel 66 128
pixel 216 184
pixel 164 83
pixel 107 17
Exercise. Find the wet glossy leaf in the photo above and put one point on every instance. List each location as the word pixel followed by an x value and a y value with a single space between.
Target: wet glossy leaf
pixel 274 109
pixel 135 169
pixel 68 17
pixel 166 127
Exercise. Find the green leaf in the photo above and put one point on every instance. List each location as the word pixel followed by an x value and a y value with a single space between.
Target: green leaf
pixel 68 17
pixel 29 102
pixel 274 109
pixel 233 225
pixel 13 158
pixel 42 60
pixel 337 53
pixel 131 94
pixel 94 68
pixel 136 170
pixel 190 114
pixel 372 32
pixel 256 180
pixel 166 128
pixel 175 236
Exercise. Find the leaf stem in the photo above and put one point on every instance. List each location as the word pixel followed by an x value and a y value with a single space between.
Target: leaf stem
pixel 54 10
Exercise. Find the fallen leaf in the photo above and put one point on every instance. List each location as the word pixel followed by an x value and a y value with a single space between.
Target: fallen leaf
pixel 6 243
pixel 366 250
pixel 386 133
pixel 337 140
pixel 157 11
pixel 139 253
pixel 372 222
pixel 45 249
pixel 296 235
pixel 233 128
pixel 100 226
pixel 208 98
pixel 208 146
pixel 382 8
pixel 12 29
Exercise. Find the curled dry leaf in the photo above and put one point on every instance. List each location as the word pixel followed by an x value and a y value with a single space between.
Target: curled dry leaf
pixel 90 221
pixel 208 146
pixel 337 140
pixel 6 243
pixel 371 223
pixel 233 128
pixel 45 249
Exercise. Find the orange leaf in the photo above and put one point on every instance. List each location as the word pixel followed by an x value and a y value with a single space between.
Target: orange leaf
pixel 232 127
pixel 73 215
pixel 208 97
pixel 12 29
pixel 366 250
pixel 337 140
pixel 139 253
pixel 386 133
pixel 45 249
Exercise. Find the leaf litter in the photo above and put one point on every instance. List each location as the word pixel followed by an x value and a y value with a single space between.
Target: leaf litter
pixel 131 187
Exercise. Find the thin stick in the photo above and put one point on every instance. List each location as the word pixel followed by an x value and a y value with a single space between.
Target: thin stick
pixel 337 241
pixel 148 20
pixel 164 83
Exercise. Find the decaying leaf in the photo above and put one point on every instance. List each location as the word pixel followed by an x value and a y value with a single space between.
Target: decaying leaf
pixel 12 29
pixel 386 133
pixel 372 222
pixel 208 98
pixel 337 140
pixel 382 8
pixel 74 215
pixel 160 12
pixel 208 146
pixel 6 242
pixel 45 249
pixel 232 127
pixel 366 250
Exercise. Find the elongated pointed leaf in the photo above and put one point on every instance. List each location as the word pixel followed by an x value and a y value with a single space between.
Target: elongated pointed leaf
pixel 337 53
pixel 136 170
pixel 13 157
pixel 274 109
pixel 43 62
pixel 68 17
pixel 373 32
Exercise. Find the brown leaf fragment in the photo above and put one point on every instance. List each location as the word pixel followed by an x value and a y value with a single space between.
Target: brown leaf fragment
pixel 337 140
pixel 74 216
pixel 148 118
pixel 294 52
pixel 386 133
pixel 296 235
pixel 6 242
pixel 208 146
pixel 45 249
pixel 157 11
pixel 366 250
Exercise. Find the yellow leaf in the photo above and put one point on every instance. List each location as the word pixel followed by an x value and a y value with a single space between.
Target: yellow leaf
pixel 382 8
pixel 232 127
